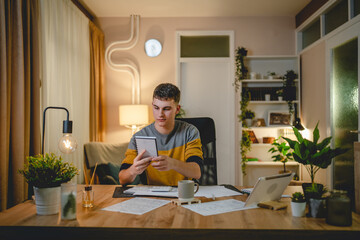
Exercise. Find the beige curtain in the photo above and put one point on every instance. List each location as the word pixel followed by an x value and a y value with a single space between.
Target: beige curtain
pixel 97 111
pixel 19 95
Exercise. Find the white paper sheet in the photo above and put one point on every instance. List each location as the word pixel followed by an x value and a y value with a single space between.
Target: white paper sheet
pixel 217 207
pixel 137 206
pixel 204 191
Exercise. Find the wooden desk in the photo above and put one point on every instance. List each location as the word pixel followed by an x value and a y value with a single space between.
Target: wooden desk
pixel 167 222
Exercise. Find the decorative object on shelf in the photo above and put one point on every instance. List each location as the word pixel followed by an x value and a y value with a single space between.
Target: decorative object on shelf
pixel 313 155
pixel 338 208
pixel 298 204
pixel 67 143
pixel 280 93
pixel 267 97
pixel 278 118
pixel 297 123
pixel 260 122
pixel 46 173
pixel 253 75
pixel 268 140
pixel 241 69
pixel 283 153
pixel 252 136
pixel 289 88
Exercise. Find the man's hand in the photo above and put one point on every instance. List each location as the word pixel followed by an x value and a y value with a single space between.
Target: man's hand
pixel 140 164
pixel 163 163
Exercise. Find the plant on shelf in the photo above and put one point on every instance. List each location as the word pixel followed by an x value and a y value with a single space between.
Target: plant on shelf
pixel 271 75
pixel 298 197
pixel 241 69
pixel 289 89
pixel 283 152
pixel 246 117
pixel 245 147
pixel 313 155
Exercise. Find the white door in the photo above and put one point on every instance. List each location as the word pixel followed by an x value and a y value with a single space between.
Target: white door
pixel 207 91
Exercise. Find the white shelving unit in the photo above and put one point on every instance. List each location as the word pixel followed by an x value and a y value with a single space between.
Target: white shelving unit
pixel 262 65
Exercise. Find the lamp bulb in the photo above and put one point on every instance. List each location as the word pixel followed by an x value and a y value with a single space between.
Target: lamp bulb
pixel 67 143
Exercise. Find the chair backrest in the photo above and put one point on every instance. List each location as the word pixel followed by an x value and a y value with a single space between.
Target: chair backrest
pixel 206 127
pixel 108 156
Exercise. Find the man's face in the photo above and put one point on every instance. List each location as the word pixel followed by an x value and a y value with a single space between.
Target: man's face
pixel 164 112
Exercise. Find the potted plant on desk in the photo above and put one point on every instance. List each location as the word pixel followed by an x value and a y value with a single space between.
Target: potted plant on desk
pixel 46 173
pixel 298 204
pixel 313 155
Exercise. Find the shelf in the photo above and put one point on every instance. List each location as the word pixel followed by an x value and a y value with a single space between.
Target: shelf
pixel 266 80
pixel 269 163
pixel 261 145
pixel 271 102
pixel 271 57
pixel 269 127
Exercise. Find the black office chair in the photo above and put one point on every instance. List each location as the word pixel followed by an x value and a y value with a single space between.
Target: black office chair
pixel 206 127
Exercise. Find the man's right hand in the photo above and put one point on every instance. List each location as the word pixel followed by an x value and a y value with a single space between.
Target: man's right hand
pixel 140 164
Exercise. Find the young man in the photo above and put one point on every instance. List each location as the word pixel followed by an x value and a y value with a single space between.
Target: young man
pixel 179 146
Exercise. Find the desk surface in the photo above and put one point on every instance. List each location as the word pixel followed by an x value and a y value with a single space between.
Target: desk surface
pixel 169 219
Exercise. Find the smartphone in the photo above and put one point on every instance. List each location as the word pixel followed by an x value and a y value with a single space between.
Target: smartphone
pixel 147 143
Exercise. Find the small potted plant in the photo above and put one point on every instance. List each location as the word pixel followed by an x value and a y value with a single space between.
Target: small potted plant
pixel 317 200
pixel 280 93
pixel 271 75
pixel 298 204
pixel 248 116
pixel 46 173
pixel 283 153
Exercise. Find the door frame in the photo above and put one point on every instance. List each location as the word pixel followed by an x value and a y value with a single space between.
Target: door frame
pixel 341 37
pixel 232 172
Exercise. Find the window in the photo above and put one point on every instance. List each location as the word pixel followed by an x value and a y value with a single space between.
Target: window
pixel 204 46
pixel 336 17
pixel 311 34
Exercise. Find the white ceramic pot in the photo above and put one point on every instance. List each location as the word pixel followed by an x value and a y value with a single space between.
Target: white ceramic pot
pixel 267 97
pixel 248 122
pixel 47 200
pixel 280 98
pixel 298 209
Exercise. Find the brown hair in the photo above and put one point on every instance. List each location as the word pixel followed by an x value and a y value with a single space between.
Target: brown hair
pixel 167 91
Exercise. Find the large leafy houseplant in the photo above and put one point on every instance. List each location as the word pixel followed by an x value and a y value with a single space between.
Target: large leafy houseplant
pixel 283 152
pixel 44 171
pixel 314 155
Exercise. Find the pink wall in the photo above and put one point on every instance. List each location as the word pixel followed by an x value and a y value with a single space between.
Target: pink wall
pixel 313 97
pixel 260 35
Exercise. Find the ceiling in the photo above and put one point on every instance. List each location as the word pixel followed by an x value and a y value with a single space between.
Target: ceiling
pixel 193 8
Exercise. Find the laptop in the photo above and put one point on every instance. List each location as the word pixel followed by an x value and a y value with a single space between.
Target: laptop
pixel 268 188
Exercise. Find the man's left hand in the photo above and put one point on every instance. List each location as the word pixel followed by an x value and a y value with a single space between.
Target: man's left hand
pixel 162 163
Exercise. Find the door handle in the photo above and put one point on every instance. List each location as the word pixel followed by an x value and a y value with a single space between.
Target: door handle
pixel 355 131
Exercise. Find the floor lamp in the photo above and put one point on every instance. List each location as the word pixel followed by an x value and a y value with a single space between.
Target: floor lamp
pixel 67 143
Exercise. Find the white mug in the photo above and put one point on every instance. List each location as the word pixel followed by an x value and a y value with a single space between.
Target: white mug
pixel 186 190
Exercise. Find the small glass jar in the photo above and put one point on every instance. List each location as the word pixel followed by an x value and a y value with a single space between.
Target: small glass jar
pixel 339 209
pixel 88 197
pixel 68 201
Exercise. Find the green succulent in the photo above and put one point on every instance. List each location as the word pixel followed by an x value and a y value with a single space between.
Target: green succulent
pixel 298 197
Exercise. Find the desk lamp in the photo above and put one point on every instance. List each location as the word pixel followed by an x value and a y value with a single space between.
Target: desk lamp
pixel 297 122
pixel 133 116
pixel 67 143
